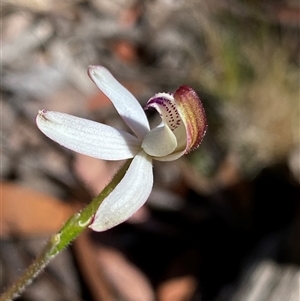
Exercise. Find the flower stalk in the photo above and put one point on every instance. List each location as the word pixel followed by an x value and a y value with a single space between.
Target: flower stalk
pixel 59 241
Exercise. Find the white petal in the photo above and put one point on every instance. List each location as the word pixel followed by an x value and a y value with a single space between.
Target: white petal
pixel 125 103
pixel 87 137
pixel 129 195
pixel 159 142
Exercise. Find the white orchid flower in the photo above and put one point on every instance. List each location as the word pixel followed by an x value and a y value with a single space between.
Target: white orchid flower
pixel 182 128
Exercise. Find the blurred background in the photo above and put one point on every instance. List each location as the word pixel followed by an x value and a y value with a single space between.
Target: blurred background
pixel 223 223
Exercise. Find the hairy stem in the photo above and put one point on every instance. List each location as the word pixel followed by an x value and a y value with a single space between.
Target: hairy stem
pixel 71 229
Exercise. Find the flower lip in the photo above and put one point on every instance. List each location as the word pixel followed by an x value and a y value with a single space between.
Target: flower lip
pixel 184 115
pixel 165 104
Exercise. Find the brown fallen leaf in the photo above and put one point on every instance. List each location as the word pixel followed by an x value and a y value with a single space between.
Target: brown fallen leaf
pixel 181 282
pixel 109 275
pixel 27 212
pixel 177 289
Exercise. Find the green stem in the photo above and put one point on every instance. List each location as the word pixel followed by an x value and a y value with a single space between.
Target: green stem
pixel 71 229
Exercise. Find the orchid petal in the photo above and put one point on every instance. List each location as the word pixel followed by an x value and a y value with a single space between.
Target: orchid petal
pixel 129 195
pixel 88 137
pixel 159 142
pixel 125 103
pixel 192 114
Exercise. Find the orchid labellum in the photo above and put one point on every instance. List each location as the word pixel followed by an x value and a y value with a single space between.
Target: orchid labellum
pixel 182 129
